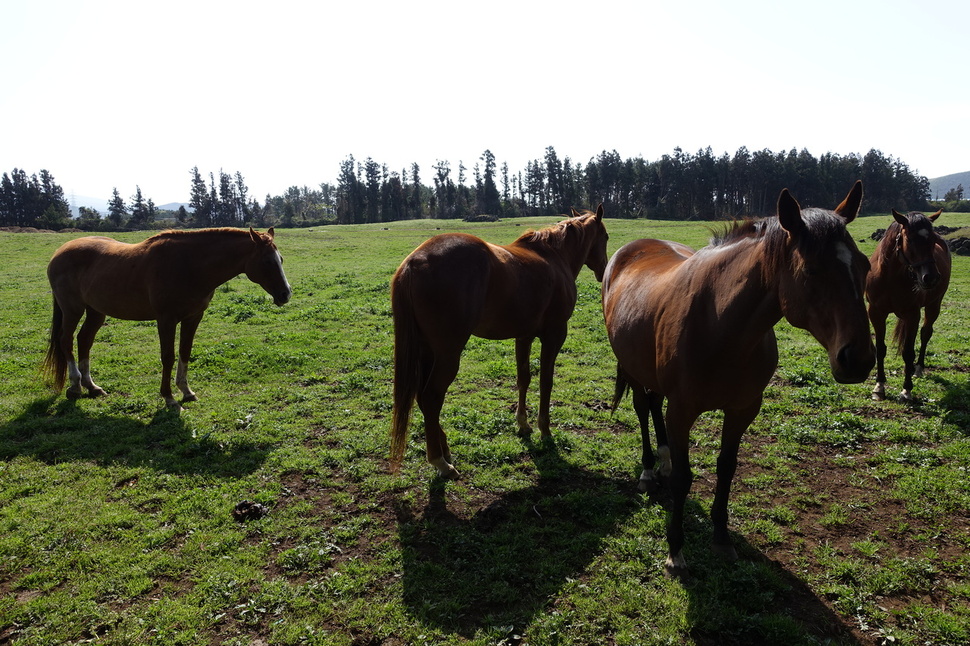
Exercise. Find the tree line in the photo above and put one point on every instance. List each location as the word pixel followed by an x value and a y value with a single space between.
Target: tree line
pixel 678 186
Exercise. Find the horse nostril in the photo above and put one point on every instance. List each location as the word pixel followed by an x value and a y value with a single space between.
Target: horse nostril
pixel 844 357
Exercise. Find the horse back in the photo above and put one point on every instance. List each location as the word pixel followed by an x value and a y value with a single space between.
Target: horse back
pixel 459 284
pixel 671 333
pixel 104 274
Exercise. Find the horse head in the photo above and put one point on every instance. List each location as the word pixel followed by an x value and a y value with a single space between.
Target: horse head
pixel 595 231
pixel 821 287
pixel 265 267
pixel 914 246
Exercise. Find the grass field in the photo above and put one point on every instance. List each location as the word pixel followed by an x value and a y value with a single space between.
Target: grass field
pixel 852 517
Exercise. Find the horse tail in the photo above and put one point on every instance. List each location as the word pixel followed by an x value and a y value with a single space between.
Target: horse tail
pixel 620 389
pixel 55 363
pixel 407 367
pixel 901 331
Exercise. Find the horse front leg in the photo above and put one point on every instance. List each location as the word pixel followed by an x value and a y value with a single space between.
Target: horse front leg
pixel 679 423
pixel 736 422
pixel 186 337
pixel 166 342
pixel 551 344
pixel 523 377
pixel 85 340
pixel 879 330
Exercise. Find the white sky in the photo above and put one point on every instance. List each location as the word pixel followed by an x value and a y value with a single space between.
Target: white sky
pixel 115 93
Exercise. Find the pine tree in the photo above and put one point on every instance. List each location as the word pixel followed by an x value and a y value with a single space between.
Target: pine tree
pixel 117 210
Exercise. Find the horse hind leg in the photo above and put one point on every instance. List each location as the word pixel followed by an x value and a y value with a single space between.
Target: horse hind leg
pixel 551 345
pixel 679 423
pixel 647 403
pixel 908 345
pixel 441 371
pixel 879 330
pixel 925 334
pixel 85 340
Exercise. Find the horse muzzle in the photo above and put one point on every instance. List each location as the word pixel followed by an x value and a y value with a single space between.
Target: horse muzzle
pixel 282 298
pixel 853 363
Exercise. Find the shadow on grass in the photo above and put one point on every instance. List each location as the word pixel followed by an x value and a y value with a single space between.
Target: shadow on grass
pixel 956 401
pixel 753 600
pixel 499 567
pixel 55 430
pixel 465 570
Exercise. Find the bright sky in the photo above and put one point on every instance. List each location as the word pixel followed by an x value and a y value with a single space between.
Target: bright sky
pixel 117 94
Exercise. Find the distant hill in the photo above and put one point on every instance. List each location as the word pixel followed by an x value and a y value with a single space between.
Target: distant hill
pixel 940 185
pixel 174 206
pixel 101 206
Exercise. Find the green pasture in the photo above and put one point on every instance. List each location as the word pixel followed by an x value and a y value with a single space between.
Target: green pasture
pixel 851 517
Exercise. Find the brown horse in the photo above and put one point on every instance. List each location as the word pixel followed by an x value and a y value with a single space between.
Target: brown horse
pixel 456 285
pixel 169 278
pixel 696 328
pixel 910 272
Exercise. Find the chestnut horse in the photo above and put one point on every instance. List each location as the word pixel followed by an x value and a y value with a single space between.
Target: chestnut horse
pixel 169 278
pixel 455 285
pixel 910 272
pixel 697 328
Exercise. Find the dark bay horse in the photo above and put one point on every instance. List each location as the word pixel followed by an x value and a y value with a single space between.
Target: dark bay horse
pixel 455 285
pixel 910 271
pixel 697 328
pixel 169 278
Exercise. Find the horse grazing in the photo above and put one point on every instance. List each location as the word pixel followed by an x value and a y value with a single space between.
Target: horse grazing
pixel 170 277
pixel 910 272
pixel 455 285
pixel 697 328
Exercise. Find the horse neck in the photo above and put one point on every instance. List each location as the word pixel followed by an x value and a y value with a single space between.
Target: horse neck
pixel 572 248
pixel 743 289
pixel 216 256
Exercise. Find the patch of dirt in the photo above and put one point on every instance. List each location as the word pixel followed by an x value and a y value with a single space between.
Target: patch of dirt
pixel 889 523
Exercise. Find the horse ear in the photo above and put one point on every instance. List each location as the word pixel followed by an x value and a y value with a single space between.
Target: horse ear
pixel 790 214
pixel 899 217
pixel 270 233
pixel 599 212
pixel 850 205
pixel 255 236
pixel 576 213
pixel 935 215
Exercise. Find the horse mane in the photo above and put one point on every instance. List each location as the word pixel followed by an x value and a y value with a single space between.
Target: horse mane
pixel 553 234
pixel 824 224
pixel 190 234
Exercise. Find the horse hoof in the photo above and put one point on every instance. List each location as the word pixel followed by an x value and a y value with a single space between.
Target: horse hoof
pixel 74 394
pixel 676 567
pixel 906 396
pixel 190 398
pixel 451 473
pixel 726 552
pixel 97 392
pixel 878 397
pixel 666 465
pixel 649 483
